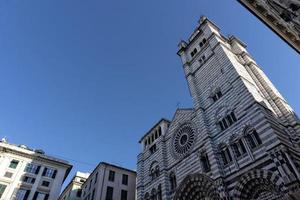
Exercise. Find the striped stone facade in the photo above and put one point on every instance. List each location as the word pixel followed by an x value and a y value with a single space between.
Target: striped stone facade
pixel 241 139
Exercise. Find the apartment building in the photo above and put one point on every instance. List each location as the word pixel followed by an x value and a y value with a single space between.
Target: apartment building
pixel 73 191
pixel 110 182
pixel 27 174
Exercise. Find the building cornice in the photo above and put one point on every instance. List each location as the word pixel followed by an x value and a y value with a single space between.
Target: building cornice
pixel 274 22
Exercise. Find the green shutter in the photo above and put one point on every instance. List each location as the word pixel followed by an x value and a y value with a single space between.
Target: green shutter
pixel 2 189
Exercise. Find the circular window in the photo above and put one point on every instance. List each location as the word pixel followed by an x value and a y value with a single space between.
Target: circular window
pixel 183 140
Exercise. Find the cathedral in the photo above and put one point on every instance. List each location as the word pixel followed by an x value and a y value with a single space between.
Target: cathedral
pixel 240 140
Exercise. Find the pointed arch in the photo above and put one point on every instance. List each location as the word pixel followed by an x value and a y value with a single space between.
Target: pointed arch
pixel 257 184
pixel 172 179
pixel 154 170
pixel 196 187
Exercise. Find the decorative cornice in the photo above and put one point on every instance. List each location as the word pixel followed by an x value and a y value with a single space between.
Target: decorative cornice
pixel 284 28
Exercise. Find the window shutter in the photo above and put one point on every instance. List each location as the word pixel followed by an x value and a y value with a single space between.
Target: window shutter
pixel 26 195
pixel 35 195
pixel 54 174
pixel 44 172
pixel 46 197
pixel 37 170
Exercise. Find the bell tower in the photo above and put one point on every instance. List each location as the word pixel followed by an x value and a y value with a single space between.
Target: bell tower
pixel 232 96
pixel 239 141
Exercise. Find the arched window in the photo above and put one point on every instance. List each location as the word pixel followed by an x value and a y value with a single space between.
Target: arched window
pixel 252 138
pixel 172 178
pixel 147 196
pixel 294 7
pixel 154 170
pixel 201 44
pixel 226 155
pixel 153 194
pixel 239 148
pixel 193 53
pixel 216 95
pixel 159 193
pixel 204 41
pixel 205 162
pixel 227 121
pixel 156 134
pixel 159 131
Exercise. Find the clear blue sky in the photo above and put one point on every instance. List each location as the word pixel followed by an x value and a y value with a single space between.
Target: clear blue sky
pixel 85 79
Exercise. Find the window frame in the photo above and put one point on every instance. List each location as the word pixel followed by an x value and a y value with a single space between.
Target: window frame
pixel 125 178
pixel 205 163
pixel 2 189
pixel 32 168
pixel 124 192
pixel 109 193
pixel 111 176
pixel 13 164
pixel 226 156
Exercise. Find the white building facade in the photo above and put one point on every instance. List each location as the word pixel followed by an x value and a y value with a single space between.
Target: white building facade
pixel 282 16
pixel 110 182
pixel 73 190
pixel 26 174
pixel 241 139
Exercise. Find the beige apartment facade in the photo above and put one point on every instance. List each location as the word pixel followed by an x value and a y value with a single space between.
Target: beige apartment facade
pixel 73 190
pixel 110 182
pixel 27 174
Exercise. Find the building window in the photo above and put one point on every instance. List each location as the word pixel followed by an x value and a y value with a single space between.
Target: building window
pixel 201 44
pixel 125 179
pixel 78 193
pixel 193 53
pixel 217 96
pixel 45 183
pixel 93 194
pixel 253 139
pixel 202 59
pixel 227 121
pixel 109 193
pixel 147 196
pixel 40 196
pixel 154 170
pixel 49 172
pixel 173 182
pixel 13 164
pixel 226 156
pixel 32 168
pixel 205 163
pixel 96 177
pixel 111 176
pixel 90 185
pixel 155 135
pixel 2 189
pixel 82 181
pixel 153 149
pixel 8 174
pixel 22 194
pixel 239 148
pixel 123 195
pixel 28 179
pixel 159 131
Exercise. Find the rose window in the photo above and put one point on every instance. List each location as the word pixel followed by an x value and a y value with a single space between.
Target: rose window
pixel 183 140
